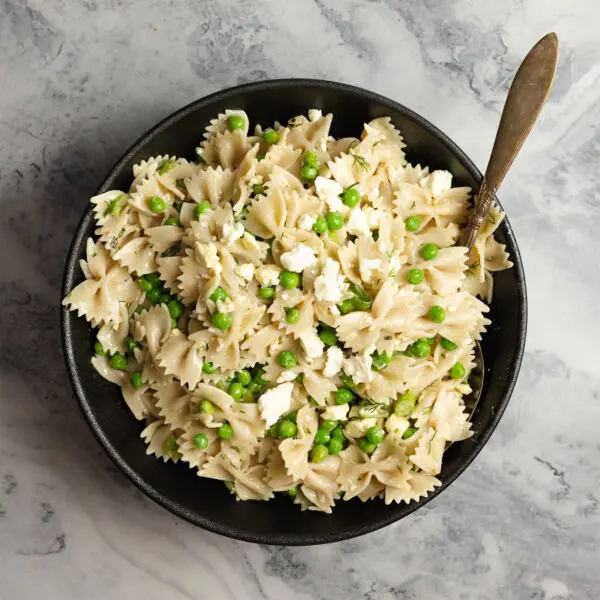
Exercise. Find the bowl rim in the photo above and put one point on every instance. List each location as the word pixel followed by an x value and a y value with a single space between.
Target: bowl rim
pixel 80 394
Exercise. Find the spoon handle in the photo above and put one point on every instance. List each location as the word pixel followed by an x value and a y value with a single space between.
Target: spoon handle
pixel 526 96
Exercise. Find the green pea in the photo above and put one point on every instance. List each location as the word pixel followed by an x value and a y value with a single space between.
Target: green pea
pixel 236 122
pixel 310 158
pixel 292 315
pixel 258 189
pixel 405 404
pixel 289 280
pixel 287 428
pixel 172 221
pixel 328 336
pixel 346 307
pixel 351 196
pixel 244 377
pixel 343 396
pixel 375 435
pixel 156 204
pixel 171 447
pixel 230 486
pixel 366 446
pixel 136 380
pixel 165 298
pixel 270 136
pixel 260 156
pixel 221 320
pixel 218 295
pixel 225 432
pixel 208 367
pixel 174 323
pixel 338 434
pixel 335 446
pixel 420 349
pixel 206 406
pixel 413 223
pixel 266 292
pixel 415 276
pixel 235 390
pixel 328 425
pixel 347 380
pixel 318 453
pixel 153 296
pixel 309 173
pixel 335 220
pixel 381 361
pixel 292 492
pixel 99 349
pixel 409 432
pixel 273 431
pixel 202 208
pixel 293 416
pixel 144 284
pixel 130 343
pixel 448 345
pixel 287 360
pixel 154 279
pixel 429 251
pixel 118 362
pixel 320 225
pixel 257 375
pixel 322 436
pixel 247 396
pixel 175 308
pixel 437 314
pixel 254 387
pixel 201 441
pixel 458 371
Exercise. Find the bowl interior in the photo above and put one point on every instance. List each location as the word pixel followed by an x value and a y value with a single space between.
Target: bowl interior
pixel 205 502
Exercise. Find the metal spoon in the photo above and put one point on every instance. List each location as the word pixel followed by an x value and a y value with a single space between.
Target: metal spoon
pixel 526 96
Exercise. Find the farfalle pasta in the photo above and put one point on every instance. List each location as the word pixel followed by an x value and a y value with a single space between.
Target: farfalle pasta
pixel 290 313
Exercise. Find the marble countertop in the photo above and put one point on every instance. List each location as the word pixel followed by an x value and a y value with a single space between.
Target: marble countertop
pixel 80 81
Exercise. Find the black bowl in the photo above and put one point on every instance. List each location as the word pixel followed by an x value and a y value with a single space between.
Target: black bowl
pixel 205 502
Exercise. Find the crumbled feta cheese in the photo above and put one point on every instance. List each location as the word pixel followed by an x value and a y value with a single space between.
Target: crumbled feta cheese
pixel 287 376
pixel 334 310
pixel 368 267
pixel 208 255
pixel 231 232
pixel 305 222
pixel 311 344
pixel 225 306
pixel 299 258
pixel 437 182
pixel 329 191
pixel 329 286
pixel 275 402
pixel 357 223
pixel 358 427
pixel 339 412
pixel 314 114
pixel 395 427
pixel 335 358
pixel 245 271
pixel 359 368
pixel 268 275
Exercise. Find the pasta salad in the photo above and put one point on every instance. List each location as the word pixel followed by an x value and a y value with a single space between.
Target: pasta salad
pixel 289 313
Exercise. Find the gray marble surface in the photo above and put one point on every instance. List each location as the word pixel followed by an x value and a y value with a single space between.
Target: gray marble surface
pixel 80 81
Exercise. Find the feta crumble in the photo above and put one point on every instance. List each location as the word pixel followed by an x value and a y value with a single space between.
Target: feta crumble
pixel 335 359
pixel 368 268
pixel 275 402
pixel 268 275
pixel 245 271
pixel 329 286
pixel 299 258
pixel 305 222
pixel 311 344
pixel 339 412
pixel 231 232
pixel 357 222
pixel 359 368
pixel 437 182
pixel 329 191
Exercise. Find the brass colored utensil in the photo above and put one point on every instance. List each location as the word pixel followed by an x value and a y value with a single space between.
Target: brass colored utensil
pixel 526 96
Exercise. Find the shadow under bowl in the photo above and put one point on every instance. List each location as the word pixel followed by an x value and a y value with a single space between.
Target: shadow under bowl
pixel 205 502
